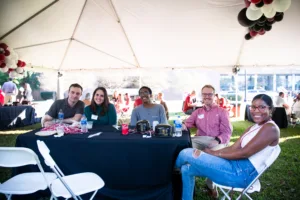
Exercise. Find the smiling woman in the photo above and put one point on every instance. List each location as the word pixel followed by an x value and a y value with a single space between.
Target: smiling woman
pixel 101 111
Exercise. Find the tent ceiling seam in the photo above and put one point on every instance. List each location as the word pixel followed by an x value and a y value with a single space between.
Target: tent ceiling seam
pixel 39 44
pixel 72 37
pixel 27 20
pixel 125 34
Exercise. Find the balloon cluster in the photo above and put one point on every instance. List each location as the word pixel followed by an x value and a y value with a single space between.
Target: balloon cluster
pixel 260 15
pixel 9 62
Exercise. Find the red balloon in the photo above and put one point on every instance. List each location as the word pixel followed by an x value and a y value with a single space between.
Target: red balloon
pixel 247 3
pixel 255 1
pixel 2 57
pixel 19 64
pixel 23 64
pixel 268 1
pixel 7 53
pixel 10 70
pixel 2 65
pixel 3 45
pixel 253 33
pixel 261 32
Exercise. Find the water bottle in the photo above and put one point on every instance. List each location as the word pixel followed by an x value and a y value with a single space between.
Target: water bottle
pixel 83 124
pixel 60 116
pixel 178 127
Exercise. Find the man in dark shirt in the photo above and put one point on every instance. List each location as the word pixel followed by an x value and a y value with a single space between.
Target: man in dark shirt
pixel 72 107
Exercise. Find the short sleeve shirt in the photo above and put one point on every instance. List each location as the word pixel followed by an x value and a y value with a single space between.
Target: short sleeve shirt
pixel 68 111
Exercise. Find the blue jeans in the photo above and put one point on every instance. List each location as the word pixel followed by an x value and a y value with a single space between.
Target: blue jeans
pixel 234 173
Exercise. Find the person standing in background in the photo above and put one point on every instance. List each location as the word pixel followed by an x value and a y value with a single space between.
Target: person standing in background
pixel 27 92
pixel 160 98
pixel 10 91
pixel 1 97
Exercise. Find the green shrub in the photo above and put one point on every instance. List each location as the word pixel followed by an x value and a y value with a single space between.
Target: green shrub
pixel 48 95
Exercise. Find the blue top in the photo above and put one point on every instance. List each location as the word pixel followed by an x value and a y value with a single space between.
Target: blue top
pixel 110 117
pixel 155 113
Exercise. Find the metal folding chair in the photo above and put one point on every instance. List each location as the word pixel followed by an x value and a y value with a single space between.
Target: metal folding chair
pixel 254 186
pixel 71 185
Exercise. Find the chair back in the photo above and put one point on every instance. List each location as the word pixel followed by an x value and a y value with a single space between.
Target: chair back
pixel 273 157
pixel 45 152
pixel 17 156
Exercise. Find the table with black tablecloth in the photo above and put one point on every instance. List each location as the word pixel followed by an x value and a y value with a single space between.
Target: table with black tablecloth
pixel 131 166
pixel 16 116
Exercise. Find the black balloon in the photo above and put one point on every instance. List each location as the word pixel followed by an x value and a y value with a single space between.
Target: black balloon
pixel 279 13
pixel 262 19
pixel 248 36
pixel 243 20
pixel 267 27
pixel 260 4
pixel 270 23
pixel 256 28
pixel 278 17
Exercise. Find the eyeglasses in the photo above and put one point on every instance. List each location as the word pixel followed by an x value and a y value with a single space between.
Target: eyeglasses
pixel 208 94
pixel 260 108
pixel 144 93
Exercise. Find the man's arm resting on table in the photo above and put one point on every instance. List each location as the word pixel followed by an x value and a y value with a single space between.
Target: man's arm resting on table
pixel 46 121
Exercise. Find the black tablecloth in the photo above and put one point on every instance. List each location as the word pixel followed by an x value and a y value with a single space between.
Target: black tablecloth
pixel 16 116
pixel 132 167
pixel 279 116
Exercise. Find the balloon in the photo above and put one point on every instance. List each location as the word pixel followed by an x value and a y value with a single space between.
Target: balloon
pixel 243 20
pixel 261 32
pixel 5 69
pixel 247 3
pixel 253 7
pixel 2 65
pixel 263 19
pixel 260 4
pixel 3 45
pixel 6 53
pixel 13 66
pixel 270 14
pixel 255 1
pixel 256 28
pixel 2 57
pixel 281 5
pixel 268 1
pixel 279 17
pixel 266 8
pixel 248 36
pixel 253 14
pixel 267 27
pixel 270 23
pixel 253 33
pixel 13 74
pixel 20 70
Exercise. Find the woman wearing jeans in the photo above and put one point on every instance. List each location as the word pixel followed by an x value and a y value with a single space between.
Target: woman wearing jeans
pixel 239 164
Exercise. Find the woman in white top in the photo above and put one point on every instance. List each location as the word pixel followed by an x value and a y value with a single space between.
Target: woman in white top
pixel 236 165
pixel 27 92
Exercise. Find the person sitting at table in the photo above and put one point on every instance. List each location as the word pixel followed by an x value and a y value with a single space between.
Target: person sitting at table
pixel 148 110
pixel 189 103
pixel 280 102
pixel 101 111
pixel 237 165
pixel 160 98
pixel 71 106
pixel 213 126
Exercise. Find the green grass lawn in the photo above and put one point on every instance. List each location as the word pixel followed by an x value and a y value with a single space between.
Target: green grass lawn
pixel 281 181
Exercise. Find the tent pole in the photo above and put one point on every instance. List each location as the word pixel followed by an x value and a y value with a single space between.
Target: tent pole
pixel 125 34
pixel 27 20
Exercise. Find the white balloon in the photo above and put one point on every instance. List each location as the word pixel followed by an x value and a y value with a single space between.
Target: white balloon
pixel 266 8
pixel 253 7
pixel 281 5
pixel 9 61
pixel 253 14
pixel 5 69
pixel 13 66
pixel 270 14
pixel 13 74
pixel 20 70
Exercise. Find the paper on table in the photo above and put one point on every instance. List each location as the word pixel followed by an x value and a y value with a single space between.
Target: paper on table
pixel 93 135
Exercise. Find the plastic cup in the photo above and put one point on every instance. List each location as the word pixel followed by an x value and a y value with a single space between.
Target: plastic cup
pixel 60 130
pixel 125 129
pixel 90 124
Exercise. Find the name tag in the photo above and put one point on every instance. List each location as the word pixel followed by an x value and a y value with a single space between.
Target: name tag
pixel 201 116
pixel 94 117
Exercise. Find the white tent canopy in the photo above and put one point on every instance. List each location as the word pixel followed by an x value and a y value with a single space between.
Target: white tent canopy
pixel 141 34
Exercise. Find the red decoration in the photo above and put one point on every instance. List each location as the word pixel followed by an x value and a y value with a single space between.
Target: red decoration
pixel 2 65
pixel 7 53
pixel 23 64
pixel 255 1
pixel 247 3
pixel 253 33
pixel 2 57
pixel 261 32
pixel 268 1
pixel 10 70
pixel 3 45
pixel 19 64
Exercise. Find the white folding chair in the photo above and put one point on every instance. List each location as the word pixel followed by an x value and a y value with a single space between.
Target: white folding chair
pixel 254 186
pixel 25 183
pixel 71 185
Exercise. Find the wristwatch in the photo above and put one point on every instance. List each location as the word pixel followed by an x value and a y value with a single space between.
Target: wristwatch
pixel 218 140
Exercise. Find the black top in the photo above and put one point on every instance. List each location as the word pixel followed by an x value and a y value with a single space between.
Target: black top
pixel 68 111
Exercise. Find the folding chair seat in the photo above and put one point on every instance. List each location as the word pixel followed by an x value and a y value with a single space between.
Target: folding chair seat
pixel 71 185
pixel 25 183
pixel 255 185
